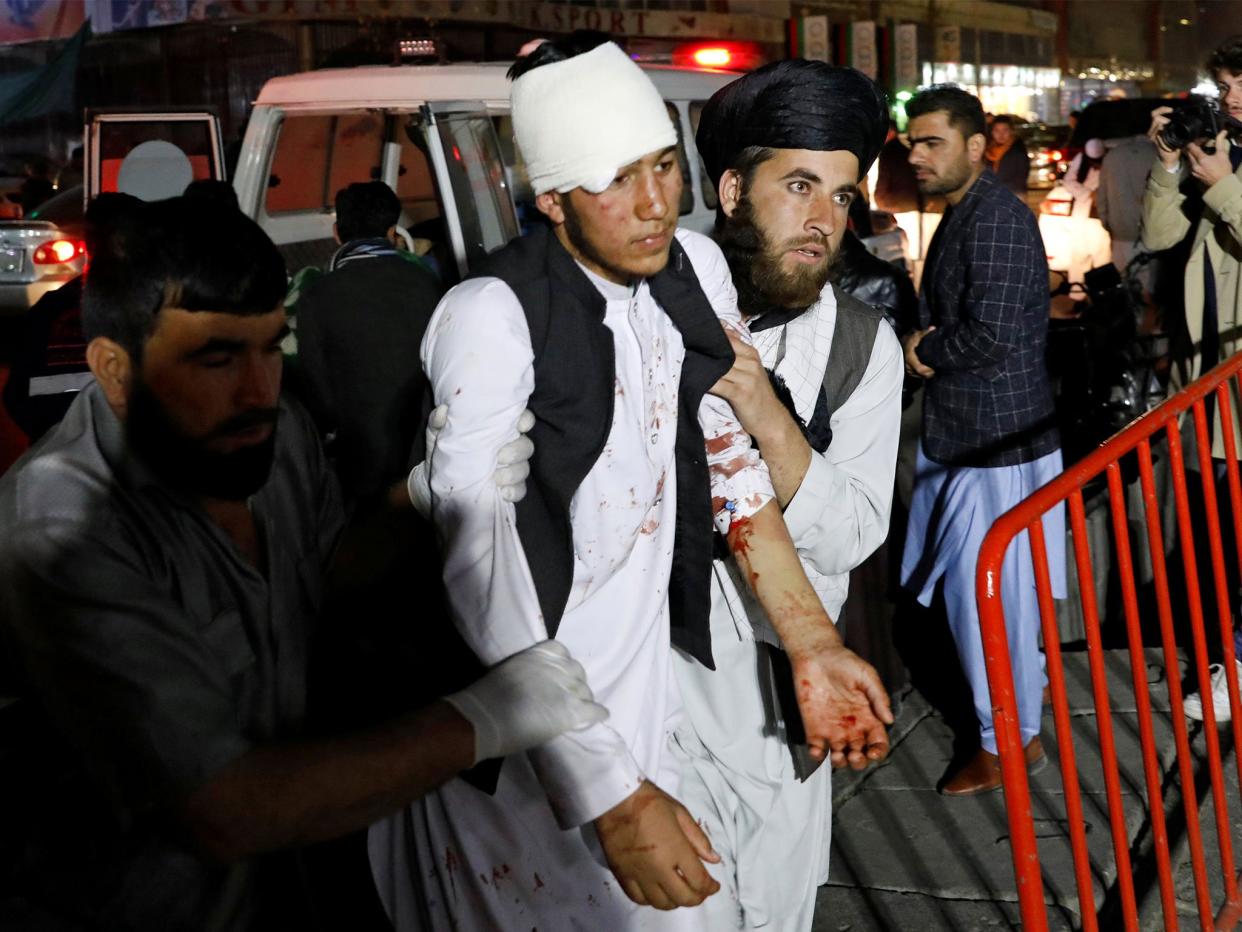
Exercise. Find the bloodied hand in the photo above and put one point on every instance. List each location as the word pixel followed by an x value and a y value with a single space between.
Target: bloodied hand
pixel 656 850
pixel 843 704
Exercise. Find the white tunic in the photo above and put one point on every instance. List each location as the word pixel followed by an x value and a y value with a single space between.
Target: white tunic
pixel 527 856
pixel 771 828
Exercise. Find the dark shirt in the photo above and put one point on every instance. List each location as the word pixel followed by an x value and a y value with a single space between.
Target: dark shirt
pixel 359 329
pixel 985 289
pixel 158 655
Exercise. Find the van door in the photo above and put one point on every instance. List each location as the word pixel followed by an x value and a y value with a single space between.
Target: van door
pixel 478 209
pixel 150 155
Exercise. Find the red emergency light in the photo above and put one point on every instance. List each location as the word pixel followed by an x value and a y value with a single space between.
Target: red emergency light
pixel 718 56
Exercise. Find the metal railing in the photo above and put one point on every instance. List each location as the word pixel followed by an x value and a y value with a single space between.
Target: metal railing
pixel 1164 421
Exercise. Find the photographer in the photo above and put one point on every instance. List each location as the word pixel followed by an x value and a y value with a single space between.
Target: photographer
pixel 1195 144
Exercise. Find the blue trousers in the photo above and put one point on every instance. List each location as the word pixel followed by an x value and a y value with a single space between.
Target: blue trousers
pixel 951 511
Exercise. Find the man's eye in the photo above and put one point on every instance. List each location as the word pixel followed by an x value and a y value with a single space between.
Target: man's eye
pixel 215 361
pixel 619 181
pixel 799 187
pixel 843 200
pixel 666 166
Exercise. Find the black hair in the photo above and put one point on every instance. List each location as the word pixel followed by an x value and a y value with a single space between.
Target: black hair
pixel 1005 119
pixel 1226 57
pixel 558 49
pixel 213 190
pixel 366 210
pixel 963 109
pixel 196 255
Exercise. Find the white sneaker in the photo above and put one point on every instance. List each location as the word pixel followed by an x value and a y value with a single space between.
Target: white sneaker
pixel 1220 695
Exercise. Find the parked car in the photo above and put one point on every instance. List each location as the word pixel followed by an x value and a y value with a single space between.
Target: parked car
pixel 41 252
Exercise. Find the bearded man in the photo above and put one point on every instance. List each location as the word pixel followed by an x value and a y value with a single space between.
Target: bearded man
pixel 164 556
pixel 786 146
pixel 606 325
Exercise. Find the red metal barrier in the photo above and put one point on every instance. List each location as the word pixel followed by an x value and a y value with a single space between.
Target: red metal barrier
pixel 1027 516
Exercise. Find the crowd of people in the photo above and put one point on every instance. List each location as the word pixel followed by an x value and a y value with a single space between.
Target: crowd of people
pixel 512 606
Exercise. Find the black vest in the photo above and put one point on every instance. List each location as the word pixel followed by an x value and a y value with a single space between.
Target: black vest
pixel 575 374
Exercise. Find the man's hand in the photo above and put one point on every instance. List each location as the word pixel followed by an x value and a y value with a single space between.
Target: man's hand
pixel 1169 158
pixel 1210 167
pixel 656 850
pixel 843 704
pixel 914 365
pixel 749 391
pixel 527 700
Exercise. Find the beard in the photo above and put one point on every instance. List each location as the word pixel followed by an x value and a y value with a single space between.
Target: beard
pixel 763 284
pixel 952 180
pixel 186 463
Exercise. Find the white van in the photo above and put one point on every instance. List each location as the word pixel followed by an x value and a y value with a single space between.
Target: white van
pixel 440 136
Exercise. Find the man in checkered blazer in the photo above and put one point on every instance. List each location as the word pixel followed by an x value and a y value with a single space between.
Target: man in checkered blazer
pixel 988 438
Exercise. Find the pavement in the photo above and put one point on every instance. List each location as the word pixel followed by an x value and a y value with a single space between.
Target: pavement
pixel 906 858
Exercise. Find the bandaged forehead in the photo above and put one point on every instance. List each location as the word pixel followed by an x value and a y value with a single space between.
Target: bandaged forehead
pixel 579 121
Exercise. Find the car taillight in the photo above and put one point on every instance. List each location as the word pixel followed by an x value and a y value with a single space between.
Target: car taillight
pixel 712 57
pixel 1054 155
pixel 1057 208
pixel 59 251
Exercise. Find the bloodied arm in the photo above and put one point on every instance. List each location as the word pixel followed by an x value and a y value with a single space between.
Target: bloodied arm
pixel 844 706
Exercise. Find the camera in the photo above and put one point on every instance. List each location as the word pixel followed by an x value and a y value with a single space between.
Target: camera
pixel 1199 119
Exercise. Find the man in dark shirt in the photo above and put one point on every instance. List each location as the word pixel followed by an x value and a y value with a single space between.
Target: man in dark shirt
pixel 359 328
pixel 989 438
pixel 163 562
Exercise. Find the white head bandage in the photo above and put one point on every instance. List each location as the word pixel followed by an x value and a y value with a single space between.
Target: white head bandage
pixel 579 120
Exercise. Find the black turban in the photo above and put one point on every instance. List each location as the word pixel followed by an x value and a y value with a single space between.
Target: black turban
pixel 794 104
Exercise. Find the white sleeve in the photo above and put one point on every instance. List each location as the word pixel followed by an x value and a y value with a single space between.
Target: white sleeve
pixel 839 515
pixel 478 358
pixel 740 481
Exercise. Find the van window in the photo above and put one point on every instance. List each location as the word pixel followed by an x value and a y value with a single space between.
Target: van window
pixel 318 155
pixel 709 189
pixel 154 158
pixel 479 183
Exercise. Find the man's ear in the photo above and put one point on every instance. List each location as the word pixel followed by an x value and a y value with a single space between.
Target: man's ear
pixel 729 191
pixel 549 204
pixel 336 235
pixel 112 367
pixel 976 145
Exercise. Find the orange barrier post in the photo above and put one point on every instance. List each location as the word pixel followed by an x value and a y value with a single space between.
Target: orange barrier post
pixel 1166 423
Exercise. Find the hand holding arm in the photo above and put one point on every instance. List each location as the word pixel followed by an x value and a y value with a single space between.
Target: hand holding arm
pixel 748 389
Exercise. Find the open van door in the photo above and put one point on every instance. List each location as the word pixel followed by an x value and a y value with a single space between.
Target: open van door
pixel 477 204
pixel 151 155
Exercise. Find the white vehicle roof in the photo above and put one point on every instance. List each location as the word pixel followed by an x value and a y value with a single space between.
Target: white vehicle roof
pixel 390 86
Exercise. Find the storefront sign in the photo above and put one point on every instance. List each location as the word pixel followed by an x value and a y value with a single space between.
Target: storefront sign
pixel 948 43
pixel 905 56
pixel 809 38
pixel 863 54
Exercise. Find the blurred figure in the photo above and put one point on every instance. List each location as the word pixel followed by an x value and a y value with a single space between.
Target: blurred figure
pixel 1006 155
pixel 1119 199
pixel 359 330
pixel 212 190
pixel 1082 178
pixel 896 189
pixel 38 186
pixel 71 174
